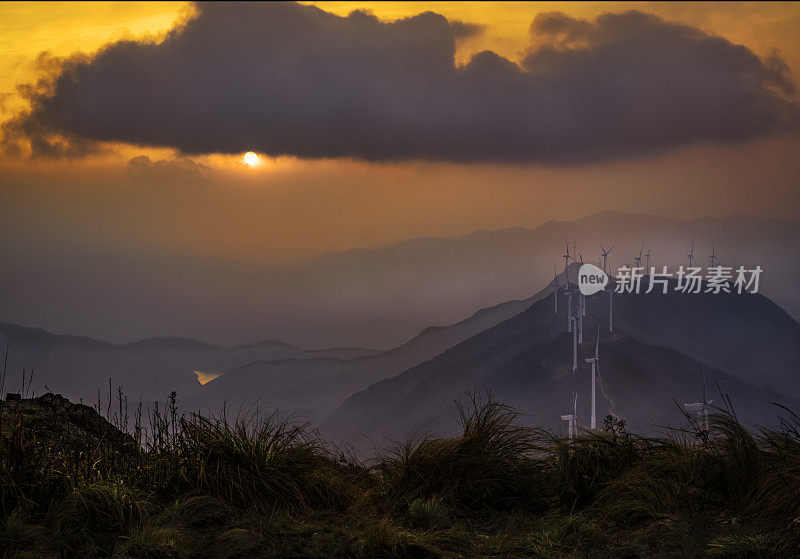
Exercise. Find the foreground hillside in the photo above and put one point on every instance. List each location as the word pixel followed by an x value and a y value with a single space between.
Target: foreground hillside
pixel 73 485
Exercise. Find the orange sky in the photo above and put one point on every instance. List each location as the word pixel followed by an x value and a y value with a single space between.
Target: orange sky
pixel 288 208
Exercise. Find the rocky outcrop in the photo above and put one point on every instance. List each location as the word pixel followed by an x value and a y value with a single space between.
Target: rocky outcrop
pixel 51 416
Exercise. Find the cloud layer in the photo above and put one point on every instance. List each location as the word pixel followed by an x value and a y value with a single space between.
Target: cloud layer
pixel 293 79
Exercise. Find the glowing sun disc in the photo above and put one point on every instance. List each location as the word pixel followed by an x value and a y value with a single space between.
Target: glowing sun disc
pixel 251 158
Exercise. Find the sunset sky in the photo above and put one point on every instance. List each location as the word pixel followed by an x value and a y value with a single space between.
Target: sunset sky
pixel 124 125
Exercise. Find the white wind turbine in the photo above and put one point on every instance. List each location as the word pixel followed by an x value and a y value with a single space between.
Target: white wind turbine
pixel 690 256
pixel 567 257
pixel 572 418
pixel 605 256
pixel 647 260
pixel 638 259
pixel 713 256
pixel 595 361
pixel 700 409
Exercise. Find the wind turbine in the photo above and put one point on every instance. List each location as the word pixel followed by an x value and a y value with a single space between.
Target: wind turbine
pixel 572 418
pixel 638 259
pixel 647 259
pixel 605 256
pixel 700 408
pixel 595 361
pixel 713 256
pixel 690 256
pixel 567 256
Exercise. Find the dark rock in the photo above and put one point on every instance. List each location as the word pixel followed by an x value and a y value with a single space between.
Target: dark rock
pixel 51 416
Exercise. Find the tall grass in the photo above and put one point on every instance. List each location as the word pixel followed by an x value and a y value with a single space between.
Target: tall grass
pixel 195 486
pixel 489 466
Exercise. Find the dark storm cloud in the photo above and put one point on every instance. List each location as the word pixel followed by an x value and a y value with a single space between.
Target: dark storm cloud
pixel 293 79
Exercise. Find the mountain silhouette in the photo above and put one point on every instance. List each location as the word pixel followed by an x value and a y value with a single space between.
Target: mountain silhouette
pixel 746 345
pixel 312 388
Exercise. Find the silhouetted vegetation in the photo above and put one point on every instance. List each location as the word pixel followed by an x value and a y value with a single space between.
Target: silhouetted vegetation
pixel 192 486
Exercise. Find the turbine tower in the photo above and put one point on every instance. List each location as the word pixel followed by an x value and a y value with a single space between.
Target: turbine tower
pixel 567 288
pixel 611 310
pixel 569 292
pixel 647 259
pixel 595 361
pixel 555 291
pixel 574 343
pixel 605 256
pixel 690 256
pixel 713 256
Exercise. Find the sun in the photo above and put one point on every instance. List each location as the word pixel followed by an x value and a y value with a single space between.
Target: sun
pixel 251 159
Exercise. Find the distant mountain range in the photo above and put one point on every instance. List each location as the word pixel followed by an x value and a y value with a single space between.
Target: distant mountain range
pixel 271 374
pixel 748 347
pixel 312 388
pixel 366 297
pixel 78 366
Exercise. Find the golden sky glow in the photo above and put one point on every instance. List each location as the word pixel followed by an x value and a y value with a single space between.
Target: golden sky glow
pixel 288 207
pixel 62 28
